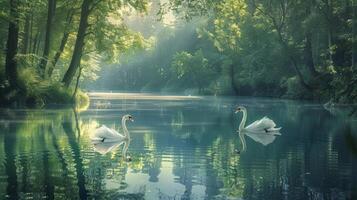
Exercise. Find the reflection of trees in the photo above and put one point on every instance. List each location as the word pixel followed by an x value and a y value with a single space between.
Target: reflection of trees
pixel 45 155
pixel 102 169
pixel 48 184
pixel 68 129
pixel 33 145
pixel 10 166
pixel 227 166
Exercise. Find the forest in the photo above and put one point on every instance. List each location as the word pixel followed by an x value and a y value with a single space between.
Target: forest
pixel 178 99
pixel 53 51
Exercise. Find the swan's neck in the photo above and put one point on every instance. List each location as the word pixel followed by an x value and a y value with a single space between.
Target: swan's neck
pixel 125 148
pixel 244 119
pixel 242 139
pixel 125 130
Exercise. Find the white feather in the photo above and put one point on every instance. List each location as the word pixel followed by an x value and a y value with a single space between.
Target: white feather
pixel 105 134
pixel 265 125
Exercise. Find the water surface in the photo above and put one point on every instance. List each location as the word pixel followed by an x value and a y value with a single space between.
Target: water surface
pixel 181 148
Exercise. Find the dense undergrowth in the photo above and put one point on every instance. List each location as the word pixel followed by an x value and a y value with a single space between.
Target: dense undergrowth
pixel 32 91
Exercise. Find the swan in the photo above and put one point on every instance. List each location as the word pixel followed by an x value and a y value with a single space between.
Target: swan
pixel 105 134
pixel 263 126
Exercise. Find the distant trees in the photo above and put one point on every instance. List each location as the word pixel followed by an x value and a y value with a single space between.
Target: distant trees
pixel 284 48
pixel 193 68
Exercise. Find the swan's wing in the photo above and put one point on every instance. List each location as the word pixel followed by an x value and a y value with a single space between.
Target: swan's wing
pixel 262 138
pixel 104 132
pixel 267 122
pixel 260 125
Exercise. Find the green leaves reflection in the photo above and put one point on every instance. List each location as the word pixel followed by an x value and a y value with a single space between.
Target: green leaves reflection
pixel 48 153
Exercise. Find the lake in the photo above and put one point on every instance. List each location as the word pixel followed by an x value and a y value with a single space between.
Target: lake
pixel 182 147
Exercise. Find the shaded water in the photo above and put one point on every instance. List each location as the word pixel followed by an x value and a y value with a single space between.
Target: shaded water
pixel 181 148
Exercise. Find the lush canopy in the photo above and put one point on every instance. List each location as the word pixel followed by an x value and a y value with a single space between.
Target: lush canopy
pixel 281 48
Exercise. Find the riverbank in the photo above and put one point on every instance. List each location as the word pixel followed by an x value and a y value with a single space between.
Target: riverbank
pixel 43 96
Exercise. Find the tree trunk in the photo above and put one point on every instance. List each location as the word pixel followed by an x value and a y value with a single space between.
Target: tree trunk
pixel 77 83
pixel 11 47
pixel 26 34
pixel 46 50
pixel 354 35
pixel 30 35
pixel 309 60
pixel 292 60
pixel 35 41
pixel 62 45
pixel 298 72
pixel 308 55
pixel 329 19
pixel 37 47
pixel 79 45
pixel 58 53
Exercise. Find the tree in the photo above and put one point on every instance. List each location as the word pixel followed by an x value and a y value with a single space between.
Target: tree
pixel 46 50
pixel 226 31
pixel 102 8
pixel 68 23
pixel 277 13
pixel 193 68
pixel 12 45
pixel 86 7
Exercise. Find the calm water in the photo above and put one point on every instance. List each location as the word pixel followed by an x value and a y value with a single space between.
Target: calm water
pixel 181 148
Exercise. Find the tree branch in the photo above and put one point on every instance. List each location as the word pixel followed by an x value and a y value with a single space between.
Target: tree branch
pixel 94 4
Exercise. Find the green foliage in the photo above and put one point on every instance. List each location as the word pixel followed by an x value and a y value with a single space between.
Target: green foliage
pixel 106 38
pixel 110 36
pixel 186 64
pixel 226 29
pixel 193 68
pixel 280 48
pixel 41 92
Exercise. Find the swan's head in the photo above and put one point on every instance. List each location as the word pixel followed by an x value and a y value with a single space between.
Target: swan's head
pixel 128 117
pixel 240 109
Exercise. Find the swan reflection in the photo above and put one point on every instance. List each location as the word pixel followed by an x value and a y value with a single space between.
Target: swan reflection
pixel 106 147
pixel 262 138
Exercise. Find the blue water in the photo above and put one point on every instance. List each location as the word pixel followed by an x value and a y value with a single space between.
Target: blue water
pixel 181 148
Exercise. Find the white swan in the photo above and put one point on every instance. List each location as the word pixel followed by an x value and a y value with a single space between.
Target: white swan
pixel 263 126
pixel 105 134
